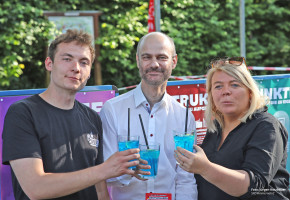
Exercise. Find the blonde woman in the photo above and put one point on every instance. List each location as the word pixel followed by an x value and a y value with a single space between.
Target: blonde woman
pixel 243 155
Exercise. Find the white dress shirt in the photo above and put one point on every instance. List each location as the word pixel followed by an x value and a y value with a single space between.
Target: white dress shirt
pixel 165 117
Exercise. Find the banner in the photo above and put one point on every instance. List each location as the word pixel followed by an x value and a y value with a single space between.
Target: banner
pixel 151 18
pixel 92 96
pixel 278 91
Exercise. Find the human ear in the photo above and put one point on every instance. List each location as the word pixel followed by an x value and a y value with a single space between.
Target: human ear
pixel 48 64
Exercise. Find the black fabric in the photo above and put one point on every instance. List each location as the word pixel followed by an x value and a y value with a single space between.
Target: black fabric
pixel 66 140
pixel 258 147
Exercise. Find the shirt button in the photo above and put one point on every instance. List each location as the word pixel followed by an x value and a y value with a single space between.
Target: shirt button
pixel 151 135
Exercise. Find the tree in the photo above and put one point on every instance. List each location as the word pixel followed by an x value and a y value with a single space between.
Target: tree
pixel 201 30
pixel 24 36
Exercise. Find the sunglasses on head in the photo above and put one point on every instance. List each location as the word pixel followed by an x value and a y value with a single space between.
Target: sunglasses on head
pixel 232 60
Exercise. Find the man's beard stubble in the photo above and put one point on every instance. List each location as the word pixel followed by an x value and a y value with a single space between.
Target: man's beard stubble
pixel 166 75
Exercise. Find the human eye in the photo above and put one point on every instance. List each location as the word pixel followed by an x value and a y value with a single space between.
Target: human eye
pixel 217 86
pixel 236 84
pixel 163 58
pixel 66 59
pixel 146 57
pixel 85 62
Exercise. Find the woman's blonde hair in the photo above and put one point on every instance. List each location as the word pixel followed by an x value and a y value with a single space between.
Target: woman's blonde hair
pixel 241 74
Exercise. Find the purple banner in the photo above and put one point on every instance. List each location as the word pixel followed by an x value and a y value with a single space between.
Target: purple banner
pixel 93 99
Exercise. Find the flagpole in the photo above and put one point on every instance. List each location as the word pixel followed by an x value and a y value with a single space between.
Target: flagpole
pixel 157 15
pixel 242 29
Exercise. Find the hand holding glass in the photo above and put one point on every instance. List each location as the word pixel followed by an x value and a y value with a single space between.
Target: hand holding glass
pixel 126 142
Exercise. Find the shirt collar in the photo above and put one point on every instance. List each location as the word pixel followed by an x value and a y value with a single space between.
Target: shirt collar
pixel 140 98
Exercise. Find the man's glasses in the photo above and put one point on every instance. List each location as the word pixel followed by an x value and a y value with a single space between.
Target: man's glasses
pixel 233 60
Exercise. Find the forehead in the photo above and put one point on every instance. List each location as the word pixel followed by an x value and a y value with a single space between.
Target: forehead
pixel 221 76
pixel 74 49
pixel 156 44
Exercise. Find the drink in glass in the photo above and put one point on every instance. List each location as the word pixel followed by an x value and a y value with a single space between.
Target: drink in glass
pixel 150 153
pixel 125 143
pixel 184 140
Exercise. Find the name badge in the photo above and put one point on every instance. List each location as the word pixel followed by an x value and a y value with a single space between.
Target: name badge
pixel 158 196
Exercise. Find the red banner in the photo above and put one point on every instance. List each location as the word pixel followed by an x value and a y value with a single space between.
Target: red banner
pixel 151 18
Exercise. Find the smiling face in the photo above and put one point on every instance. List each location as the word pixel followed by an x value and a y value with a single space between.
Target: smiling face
pixel 155 60
pixel 71 67
pixel 230 97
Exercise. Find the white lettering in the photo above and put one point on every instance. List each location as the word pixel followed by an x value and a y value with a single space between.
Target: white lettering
pixel 277 93
pixel 203 99
pixel 195 101
pixel 183 99
pixel 285 90
pixel 268 92
pixel 97 106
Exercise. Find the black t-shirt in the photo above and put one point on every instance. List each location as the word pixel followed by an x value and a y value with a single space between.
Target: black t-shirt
pixel 258 147
pixel 65 140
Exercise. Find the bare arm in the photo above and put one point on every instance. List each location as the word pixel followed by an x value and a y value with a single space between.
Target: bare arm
pixel 40 185
pixel 232 182
pixel 102 190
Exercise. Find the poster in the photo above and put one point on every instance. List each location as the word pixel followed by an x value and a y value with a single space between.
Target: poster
pixel 278 91
pixel 63 23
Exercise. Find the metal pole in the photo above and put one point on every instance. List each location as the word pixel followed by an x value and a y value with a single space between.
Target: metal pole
pixel 157 15
pixel 242 29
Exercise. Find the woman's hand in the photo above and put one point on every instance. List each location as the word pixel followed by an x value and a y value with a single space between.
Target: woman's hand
pixel 196 163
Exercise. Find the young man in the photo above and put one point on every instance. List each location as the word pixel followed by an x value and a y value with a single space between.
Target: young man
pixel 54 143
pixel 161 114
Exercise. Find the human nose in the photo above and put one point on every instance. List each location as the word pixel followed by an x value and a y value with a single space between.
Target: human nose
pixel 154 62
pixel 226 90
pixel 76 66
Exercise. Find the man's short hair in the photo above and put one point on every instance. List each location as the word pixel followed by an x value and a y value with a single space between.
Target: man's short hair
pixel 81 37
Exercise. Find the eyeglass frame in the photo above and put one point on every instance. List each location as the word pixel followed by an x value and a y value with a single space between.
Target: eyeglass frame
pixel 230 60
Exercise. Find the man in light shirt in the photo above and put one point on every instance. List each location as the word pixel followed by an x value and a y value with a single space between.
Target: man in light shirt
pixel 162 114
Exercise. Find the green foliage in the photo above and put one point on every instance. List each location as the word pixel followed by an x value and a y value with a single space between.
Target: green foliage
pixel 268 32
pixel 122 25
pixel 201 30
pixel 24 33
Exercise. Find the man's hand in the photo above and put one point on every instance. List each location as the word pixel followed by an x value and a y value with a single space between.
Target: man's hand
pixel 143 164
pixel 118 164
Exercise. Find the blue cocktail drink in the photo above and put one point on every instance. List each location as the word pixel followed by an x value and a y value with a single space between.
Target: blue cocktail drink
pixel 185 140
pixel 125 143
pixel 128 145
pixel 151 155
